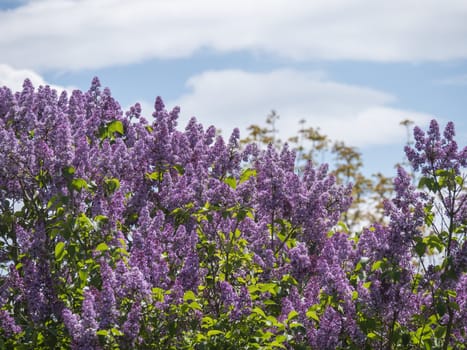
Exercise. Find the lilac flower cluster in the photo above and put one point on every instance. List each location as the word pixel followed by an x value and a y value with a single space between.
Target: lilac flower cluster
pixel 434 151
pixel 119 232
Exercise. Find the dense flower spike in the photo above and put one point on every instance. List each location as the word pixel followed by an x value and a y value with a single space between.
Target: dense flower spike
pixel 119 232
pixel 434 151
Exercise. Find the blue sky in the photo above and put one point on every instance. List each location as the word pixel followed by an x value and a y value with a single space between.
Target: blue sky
pixel 353 68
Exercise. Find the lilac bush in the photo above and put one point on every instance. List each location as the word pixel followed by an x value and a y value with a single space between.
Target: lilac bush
pixel 117 232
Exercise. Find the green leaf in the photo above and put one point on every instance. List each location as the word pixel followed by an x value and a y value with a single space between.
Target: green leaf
pixel 247 173
pixel 441 308
pixel 429 219
pixel 109 130
pixel 272 321
pixel 116 332
pixel 295 325
pixel 115 126
pixel 111 185
pixel 195 306
pixel 266 335
pixel 434 242
pixel 214 332
pixel 420 248
pixel 60 251
pixel 83 275
pixel 83 222
pixel 405 339
pixel 440 331
pixel 277 345
pixel 281 338
pixel 453 305
pixel 68 170
pixel 158 294
pixel 189 295
pixel 231 182
pixel 342 227
pixel 267 288
pixel 207 322
pixel 155 175
pixel 429 183
pixel 103 332
pixel 429 216
pixel 313 315
pixel 376 265
pixel 200 338
pixel 292 314
pixel 102 247
pixel 179 168
pixel 451 293
pixel 259 311
pixel 101 219
pixel 443 172
pixel 78 184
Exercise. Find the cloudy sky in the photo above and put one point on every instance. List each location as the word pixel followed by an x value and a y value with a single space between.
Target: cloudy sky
pixel 354 68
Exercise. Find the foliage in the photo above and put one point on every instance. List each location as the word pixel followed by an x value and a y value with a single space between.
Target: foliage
pixel 119 233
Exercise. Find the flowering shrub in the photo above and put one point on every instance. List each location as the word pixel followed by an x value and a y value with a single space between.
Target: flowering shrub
pixel 120 233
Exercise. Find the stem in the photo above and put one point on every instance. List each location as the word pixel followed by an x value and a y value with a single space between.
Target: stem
pixel 447 336
pixel 291 232
pixel 272 231
pixel 421 334
pixel 391 329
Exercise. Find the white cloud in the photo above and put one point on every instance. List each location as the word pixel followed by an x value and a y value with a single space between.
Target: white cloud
pixel 75 34
pixel 14 78
pixel 358 115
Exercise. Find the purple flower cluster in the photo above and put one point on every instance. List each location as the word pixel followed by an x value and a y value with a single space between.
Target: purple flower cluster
pixel 82 328
pixel 434 151
pixel 132 233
